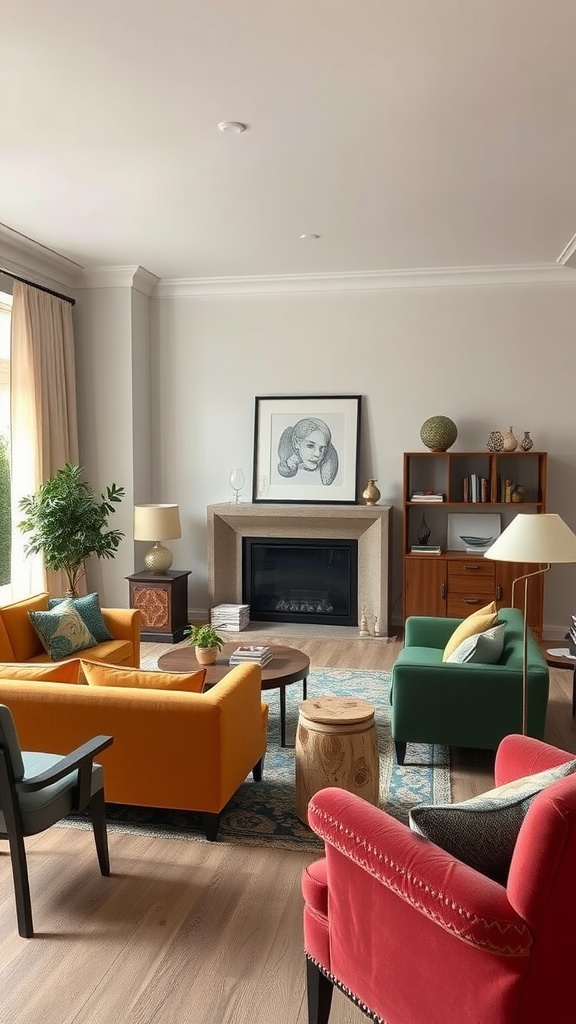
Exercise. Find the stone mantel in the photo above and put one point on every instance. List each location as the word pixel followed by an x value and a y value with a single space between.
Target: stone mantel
pixel 368 524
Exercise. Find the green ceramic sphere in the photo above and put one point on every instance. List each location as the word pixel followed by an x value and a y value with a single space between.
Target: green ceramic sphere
pixel 438 433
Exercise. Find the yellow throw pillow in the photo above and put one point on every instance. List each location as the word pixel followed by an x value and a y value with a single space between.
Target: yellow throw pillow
pixel 99 674
pixel 478 622
pixel 63 672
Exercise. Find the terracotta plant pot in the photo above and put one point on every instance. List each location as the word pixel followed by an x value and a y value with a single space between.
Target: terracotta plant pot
pixel 206 655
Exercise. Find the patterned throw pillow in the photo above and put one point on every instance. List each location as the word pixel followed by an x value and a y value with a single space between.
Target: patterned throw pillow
pixel 482 648
pixel 98 674
pixel 478 622
pixel 62 631
pixel 88 608
pixel 482 832
pixel 64 672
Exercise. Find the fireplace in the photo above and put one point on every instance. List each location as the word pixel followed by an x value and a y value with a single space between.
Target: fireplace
pixel 367 525
pixel 301 580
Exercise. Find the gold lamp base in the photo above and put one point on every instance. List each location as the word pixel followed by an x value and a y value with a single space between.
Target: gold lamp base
pixel 158 558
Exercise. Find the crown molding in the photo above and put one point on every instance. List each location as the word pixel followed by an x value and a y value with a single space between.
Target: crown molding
pixel 23 257
pixel 121 277
pixel 444 277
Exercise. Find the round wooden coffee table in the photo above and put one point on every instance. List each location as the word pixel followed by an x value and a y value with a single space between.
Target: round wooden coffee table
pixel 287 666
pixel 553 651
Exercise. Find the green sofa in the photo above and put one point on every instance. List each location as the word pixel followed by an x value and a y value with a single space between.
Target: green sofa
pixel 468 705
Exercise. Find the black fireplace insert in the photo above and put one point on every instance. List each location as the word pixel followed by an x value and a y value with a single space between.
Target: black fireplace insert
pixel 301 580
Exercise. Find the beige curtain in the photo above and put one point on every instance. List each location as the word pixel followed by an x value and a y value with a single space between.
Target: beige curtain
pixel 44 430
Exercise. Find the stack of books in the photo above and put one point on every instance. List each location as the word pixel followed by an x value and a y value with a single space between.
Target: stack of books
pixel 427 496
pixel 426 549
pixel 231 617
pixel 251 652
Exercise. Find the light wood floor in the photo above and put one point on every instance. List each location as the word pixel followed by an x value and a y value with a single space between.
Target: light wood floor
pixel 185 932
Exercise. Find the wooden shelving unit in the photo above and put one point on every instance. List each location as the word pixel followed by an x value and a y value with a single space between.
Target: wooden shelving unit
pixel 455 582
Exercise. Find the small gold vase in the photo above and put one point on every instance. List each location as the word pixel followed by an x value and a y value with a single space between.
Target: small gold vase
pixel 371 494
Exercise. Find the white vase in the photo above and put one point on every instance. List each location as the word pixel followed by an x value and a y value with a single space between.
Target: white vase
pixel 510 442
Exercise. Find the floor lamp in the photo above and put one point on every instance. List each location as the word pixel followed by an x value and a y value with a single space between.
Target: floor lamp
pixel 545 540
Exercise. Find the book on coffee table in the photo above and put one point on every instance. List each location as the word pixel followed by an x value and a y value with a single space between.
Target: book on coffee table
pixel 251 652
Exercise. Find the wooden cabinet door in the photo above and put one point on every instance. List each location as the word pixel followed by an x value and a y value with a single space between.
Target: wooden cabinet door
pixel 506 573
pixel 425 585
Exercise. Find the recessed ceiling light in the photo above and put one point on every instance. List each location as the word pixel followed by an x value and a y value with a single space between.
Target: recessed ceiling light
pixel 309 237
pixel 233 127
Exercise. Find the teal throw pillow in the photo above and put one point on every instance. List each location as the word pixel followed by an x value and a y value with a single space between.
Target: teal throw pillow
pixel 482 832
pixel 88 608
pixel 482 648
pixel 62 631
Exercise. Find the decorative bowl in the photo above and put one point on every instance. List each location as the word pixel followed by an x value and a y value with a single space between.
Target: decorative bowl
pixel 477 542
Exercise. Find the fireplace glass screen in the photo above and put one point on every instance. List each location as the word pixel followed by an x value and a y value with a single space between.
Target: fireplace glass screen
pixel 301 580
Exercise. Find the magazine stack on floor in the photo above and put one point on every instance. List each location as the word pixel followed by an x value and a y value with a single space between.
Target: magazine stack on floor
pixel 231 617
pixel 251 652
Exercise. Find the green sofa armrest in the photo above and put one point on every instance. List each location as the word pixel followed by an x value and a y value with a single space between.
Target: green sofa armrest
pixel 426 631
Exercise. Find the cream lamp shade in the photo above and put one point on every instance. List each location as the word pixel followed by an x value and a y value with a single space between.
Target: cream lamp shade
pixel 157 523
pixel 544 540
pixel 535 538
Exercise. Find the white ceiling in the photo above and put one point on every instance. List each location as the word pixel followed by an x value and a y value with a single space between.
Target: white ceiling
pixel 407 133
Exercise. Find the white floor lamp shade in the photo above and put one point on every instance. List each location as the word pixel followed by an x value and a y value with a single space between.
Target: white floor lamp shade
pixel 544 540
pixel 157 523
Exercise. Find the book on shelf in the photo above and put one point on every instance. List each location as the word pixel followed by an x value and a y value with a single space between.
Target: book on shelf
pixel 251 652
pixel 427 496
pixel 425 549
pixel 475 488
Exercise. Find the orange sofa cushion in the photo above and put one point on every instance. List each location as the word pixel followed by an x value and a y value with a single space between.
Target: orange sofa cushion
pixel 61 672
pixel 98 674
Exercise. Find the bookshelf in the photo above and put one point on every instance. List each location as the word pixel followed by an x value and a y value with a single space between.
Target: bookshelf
pixel 459 579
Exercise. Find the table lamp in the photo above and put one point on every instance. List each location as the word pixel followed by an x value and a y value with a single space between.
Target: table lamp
pixel 545 540
pixel 157 523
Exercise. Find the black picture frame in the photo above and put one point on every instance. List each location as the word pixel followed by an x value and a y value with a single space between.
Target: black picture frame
pixel 306 449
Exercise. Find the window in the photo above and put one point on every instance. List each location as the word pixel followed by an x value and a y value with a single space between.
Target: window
pixel 5 514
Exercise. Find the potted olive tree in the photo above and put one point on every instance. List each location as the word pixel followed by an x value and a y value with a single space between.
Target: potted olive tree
pixel 68 523
pixel 206 641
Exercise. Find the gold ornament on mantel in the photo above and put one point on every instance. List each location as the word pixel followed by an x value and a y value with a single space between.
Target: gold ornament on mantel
pixel 371 494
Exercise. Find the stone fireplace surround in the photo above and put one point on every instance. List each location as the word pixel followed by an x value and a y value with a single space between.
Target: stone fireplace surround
pixel 368 524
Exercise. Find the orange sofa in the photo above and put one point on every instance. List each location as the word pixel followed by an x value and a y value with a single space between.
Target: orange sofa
pixel 20 642
pixel 171 748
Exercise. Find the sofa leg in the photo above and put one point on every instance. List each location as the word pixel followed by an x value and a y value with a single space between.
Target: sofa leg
pixel 210 823
pixel 400 751
pixel 319 990
pixel 258 769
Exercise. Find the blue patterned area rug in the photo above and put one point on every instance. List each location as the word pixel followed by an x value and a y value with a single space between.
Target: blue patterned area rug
pixel 264 813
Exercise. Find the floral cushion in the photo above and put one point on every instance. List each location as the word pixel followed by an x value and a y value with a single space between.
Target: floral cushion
pixel 62 630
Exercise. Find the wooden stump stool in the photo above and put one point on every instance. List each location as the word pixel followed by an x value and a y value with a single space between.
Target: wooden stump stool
pixel 336 745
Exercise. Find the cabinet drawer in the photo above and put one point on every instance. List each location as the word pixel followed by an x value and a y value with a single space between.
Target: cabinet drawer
pixel 458 606
pixel 471 570
pixel 465 585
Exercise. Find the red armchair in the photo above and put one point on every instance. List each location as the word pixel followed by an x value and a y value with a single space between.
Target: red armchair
pixel 414 936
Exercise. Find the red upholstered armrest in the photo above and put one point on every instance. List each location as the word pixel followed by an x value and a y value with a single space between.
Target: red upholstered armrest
pixel 402 865
pixel 518 756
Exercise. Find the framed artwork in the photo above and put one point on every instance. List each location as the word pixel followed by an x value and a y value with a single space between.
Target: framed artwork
pixel 306 449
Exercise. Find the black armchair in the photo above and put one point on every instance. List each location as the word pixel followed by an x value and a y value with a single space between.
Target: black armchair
pixel 39 789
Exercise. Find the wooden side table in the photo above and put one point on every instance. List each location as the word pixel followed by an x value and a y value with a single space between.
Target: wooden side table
pixel 336 745
pixel 163 600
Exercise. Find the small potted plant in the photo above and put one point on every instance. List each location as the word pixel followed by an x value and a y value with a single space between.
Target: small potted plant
pixel 207 643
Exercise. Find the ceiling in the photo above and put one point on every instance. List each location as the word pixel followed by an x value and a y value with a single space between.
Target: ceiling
pixel 408 134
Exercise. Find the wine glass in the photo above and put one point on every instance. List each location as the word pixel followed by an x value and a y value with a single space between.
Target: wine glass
pixel 237 482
